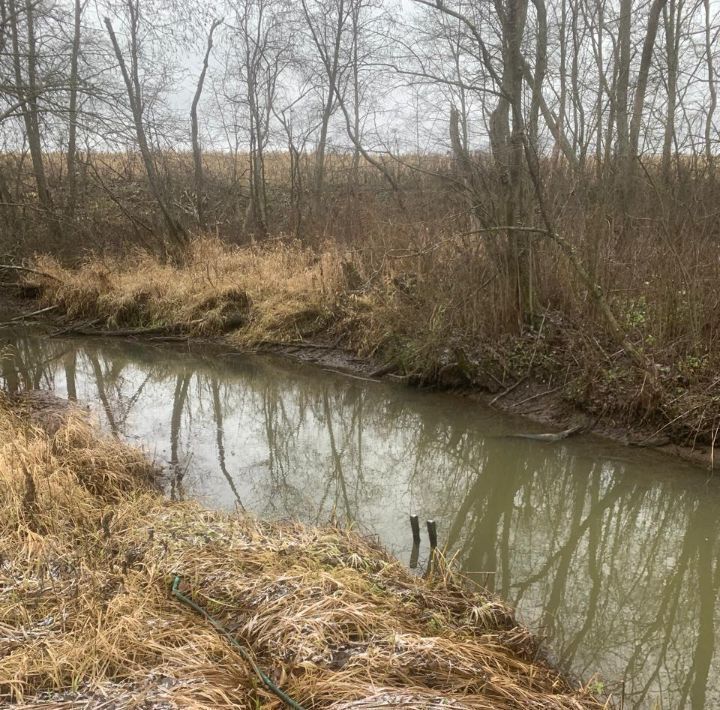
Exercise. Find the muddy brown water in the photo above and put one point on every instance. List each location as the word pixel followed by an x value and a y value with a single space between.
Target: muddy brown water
pixel 611 553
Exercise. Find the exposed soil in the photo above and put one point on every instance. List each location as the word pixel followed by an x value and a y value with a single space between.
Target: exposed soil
pixel 528 397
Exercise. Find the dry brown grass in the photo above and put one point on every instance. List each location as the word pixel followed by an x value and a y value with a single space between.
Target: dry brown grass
pixel 89 552
pixel 281 291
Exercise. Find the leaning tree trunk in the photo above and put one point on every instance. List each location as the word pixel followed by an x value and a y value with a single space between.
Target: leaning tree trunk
pixel 199 177
pixel 176 231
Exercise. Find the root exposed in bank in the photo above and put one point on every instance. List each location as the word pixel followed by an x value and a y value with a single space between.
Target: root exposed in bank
pixel 89 551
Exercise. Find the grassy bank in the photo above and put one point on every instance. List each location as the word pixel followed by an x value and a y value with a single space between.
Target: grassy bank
pixel 90 551
pixel 428 318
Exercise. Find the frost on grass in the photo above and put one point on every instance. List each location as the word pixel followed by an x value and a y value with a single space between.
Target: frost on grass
pixel 88 553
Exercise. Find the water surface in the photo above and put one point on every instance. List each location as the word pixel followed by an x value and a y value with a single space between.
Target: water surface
pixel 610 552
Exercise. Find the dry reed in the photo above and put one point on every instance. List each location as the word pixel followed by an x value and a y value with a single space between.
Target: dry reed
pixel 281 291
pixel 89 550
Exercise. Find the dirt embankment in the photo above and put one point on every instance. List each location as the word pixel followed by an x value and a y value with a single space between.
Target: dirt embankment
pixel 110 595
pixel 317 308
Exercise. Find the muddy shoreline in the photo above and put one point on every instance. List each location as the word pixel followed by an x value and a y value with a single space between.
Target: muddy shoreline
pixel 544 408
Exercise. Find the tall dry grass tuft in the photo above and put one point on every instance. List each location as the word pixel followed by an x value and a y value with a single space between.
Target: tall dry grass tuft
pixel 89 553
pixel 282 290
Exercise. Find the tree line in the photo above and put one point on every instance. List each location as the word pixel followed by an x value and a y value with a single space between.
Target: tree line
pixel 256 117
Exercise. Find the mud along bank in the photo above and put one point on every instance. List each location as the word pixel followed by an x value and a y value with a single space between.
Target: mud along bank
pixel 287 301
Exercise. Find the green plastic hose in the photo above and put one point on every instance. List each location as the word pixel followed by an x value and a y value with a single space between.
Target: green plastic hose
pixel 266 681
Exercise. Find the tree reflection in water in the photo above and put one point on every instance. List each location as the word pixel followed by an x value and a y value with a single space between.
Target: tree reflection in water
pixel 613 554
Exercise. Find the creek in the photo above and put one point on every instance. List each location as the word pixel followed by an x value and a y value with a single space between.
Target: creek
pixel 611 553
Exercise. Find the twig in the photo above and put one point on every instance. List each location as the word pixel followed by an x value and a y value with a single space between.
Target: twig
pixel 34 313
pixel 508 390
pixel 74 328
pixel 385 369
pixel 122 333
pixel 712 448
pixel 347 374
pixel 537 342
pixel 298 344
pixel 538 395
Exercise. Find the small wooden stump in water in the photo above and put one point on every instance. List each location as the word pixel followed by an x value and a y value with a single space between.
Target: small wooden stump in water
pixel 415 525
pixel 432 533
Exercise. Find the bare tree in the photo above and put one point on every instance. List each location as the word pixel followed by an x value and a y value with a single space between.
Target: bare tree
pixel 131 78
pixel 712 89
pixel 71 200
pixel 672 21
pixel 25 63
pixel 195 130
pixel 261 51
pixel 326 22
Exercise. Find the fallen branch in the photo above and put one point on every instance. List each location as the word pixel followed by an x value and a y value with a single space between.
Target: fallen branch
pixel 508 390
pixel 33 313
pixel 552 437
pixel 296 344
pixel 120 333
pixel 538 395
pixel 383 370
pixel 27 269
pixel 348 374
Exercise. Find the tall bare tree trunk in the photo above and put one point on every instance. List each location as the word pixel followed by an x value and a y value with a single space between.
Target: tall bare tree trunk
pixel 507 141
pixel 540 69
pixel 199 177
pixel 577 103
pixel 672 18
pixel 711 88
pixel 132 84
pixel 28 97
pixel 355 69
pixel 563 80
pixel 622 86
pixel 71 199
pixel 601 87
pixel 330 56
pixel 642 79
pixel 258 200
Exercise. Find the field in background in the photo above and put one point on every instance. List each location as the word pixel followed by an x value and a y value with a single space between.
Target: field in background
pixel 394 260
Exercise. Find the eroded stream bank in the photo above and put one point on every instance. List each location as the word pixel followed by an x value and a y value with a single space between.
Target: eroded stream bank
pixel 611 552
pixel 630 382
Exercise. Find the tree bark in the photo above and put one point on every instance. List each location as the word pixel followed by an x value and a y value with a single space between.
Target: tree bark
pixel 711 88
pixel 71 200
pixel 622 86
pixel 672 19
pixel 27 93
pixel 539 73
pixel 642 79
pixel 330 57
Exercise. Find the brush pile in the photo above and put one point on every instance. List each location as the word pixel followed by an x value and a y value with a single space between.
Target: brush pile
pixel 89 551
